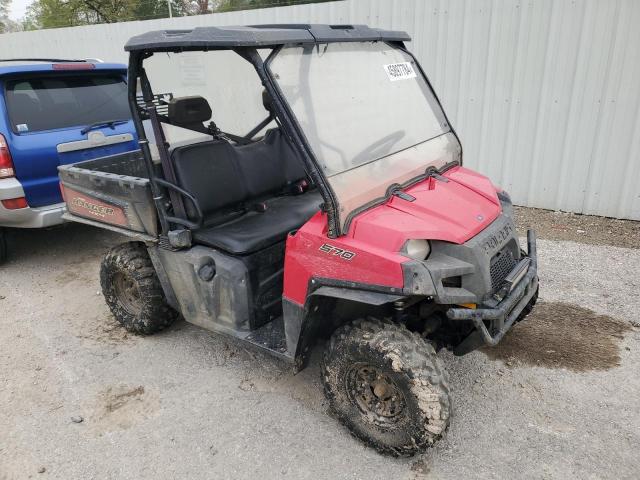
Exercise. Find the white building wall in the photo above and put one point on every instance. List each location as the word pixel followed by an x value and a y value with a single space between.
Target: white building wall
pixel 545 94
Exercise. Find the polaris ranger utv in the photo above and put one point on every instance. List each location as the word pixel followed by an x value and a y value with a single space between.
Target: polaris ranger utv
pixel 344 214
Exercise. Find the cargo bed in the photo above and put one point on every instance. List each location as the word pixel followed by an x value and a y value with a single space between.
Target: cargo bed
pixel 111 192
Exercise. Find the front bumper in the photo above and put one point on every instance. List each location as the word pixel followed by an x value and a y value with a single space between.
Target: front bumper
pixel 501 317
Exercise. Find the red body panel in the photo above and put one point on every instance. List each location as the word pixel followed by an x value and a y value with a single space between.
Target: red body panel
pixel 452 211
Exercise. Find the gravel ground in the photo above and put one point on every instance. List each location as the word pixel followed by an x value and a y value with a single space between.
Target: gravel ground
pixel 556 225
pixel 187 403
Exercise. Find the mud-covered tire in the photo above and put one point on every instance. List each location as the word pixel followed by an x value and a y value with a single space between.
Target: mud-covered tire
pixel 405 364
pixel 3 246
pixel 132 290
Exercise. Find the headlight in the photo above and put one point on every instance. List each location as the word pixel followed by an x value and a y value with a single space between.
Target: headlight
pixel 416 249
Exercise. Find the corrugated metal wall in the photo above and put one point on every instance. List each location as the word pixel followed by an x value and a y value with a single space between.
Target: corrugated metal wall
pixel 545 94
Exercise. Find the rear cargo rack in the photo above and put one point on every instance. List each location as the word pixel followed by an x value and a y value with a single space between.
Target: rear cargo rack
pixel 160 101
pixel 112 192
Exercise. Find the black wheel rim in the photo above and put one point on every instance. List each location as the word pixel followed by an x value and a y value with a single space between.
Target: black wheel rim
pixel 127 293
pixel 376 395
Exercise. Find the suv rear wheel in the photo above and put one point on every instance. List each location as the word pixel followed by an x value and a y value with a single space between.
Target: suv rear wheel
pixel 387 385
pixel 132 290
pixel 3 245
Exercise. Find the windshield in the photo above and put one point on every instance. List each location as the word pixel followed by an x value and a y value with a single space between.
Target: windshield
pixel 51 102
pixel 368 115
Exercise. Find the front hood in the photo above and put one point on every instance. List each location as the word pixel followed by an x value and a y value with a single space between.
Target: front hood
pixel 453 211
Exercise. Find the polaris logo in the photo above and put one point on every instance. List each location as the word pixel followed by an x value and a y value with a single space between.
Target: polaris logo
pixel 495 241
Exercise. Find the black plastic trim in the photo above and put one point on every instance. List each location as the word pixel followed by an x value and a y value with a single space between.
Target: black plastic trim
pixel 134 72
pixel 508 310
pixel 192 199
pixel 257 36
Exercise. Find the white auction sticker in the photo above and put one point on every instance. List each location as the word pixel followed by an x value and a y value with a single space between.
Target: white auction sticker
pixel 192 71
pixel 399 71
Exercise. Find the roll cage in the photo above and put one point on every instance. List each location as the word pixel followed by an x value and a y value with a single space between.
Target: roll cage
pixel 245 41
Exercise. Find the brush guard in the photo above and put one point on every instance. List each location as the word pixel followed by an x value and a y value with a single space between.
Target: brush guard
pixel 519 288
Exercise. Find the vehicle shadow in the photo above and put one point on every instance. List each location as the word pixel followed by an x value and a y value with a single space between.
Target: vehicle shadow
pixel 57 244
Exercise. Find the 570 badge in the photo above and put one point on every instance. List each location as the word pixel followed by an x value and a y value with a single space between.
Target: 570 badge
pixel 338 252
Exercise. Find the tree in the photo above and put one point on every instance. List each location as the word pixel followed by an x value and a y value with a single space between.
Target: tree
pixel 65 13
pixel 6 25
pixel 199 7
pixel 229 5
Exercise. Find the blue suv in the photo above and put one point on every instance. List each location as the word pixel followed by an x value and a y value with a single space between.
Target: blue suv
pixel 55 112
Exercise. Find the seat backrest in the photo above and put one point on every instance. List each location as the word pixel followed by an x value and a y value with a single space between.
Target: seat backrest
pixel 269 165
pixel 222 176
pixel 189 112
pixel 210 172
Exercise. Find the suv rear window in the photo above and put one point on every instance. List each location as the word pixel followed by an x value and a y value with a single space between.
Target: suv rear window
pixel 50 102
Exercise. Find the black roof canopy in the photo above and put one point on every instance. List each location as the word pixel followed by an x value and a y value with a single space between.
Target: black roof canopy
pixel 258 36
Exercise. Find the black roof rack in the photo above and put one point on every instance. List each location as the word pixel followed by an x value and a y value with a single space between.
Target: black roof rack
pixel 258 36
pixel 55 60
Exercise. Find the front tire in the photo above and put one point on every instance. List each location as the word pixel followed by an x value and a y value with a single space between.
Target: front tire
pixel 387 385
pixel 132 290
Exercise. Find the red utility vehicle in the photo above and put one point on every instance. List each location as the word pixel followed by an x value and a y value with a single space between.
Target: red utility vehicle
pixel 345 214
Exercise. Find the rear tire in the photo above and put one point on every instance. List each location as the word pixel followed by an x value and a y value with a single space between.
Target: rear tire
pixel 387 385
pixel 132 290
pixel 3 246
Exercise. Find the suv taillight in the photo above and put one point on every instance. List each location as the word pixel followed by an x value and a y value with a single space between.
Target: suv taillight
pixel 6 164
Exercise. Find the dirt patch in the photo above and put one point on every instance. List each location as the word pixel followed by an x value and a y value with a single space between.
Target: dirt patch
pixel 123 406
pixel 66 277
pixel 247 385
pixel 561 335
pixel 110 331
pixel 117 400
pixel 420 470
pixel 578 228
pixel 106 329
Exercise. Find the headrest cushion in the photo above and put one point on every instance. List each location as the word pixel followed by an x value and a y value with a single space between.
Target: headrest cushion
pixel 189 110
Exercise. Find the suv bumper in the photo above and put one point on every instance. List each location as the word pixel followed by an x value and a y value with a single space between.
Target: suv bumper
pixel 26 217
pixel 501 317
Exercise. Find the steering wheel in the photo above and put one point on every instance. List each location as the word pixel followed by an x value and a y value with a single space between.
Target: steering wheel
pixel 379 148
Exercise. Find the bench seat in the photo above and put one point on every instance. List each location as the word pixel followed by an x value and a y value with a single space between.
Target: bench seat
pixel 230 180
pixel 255 231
